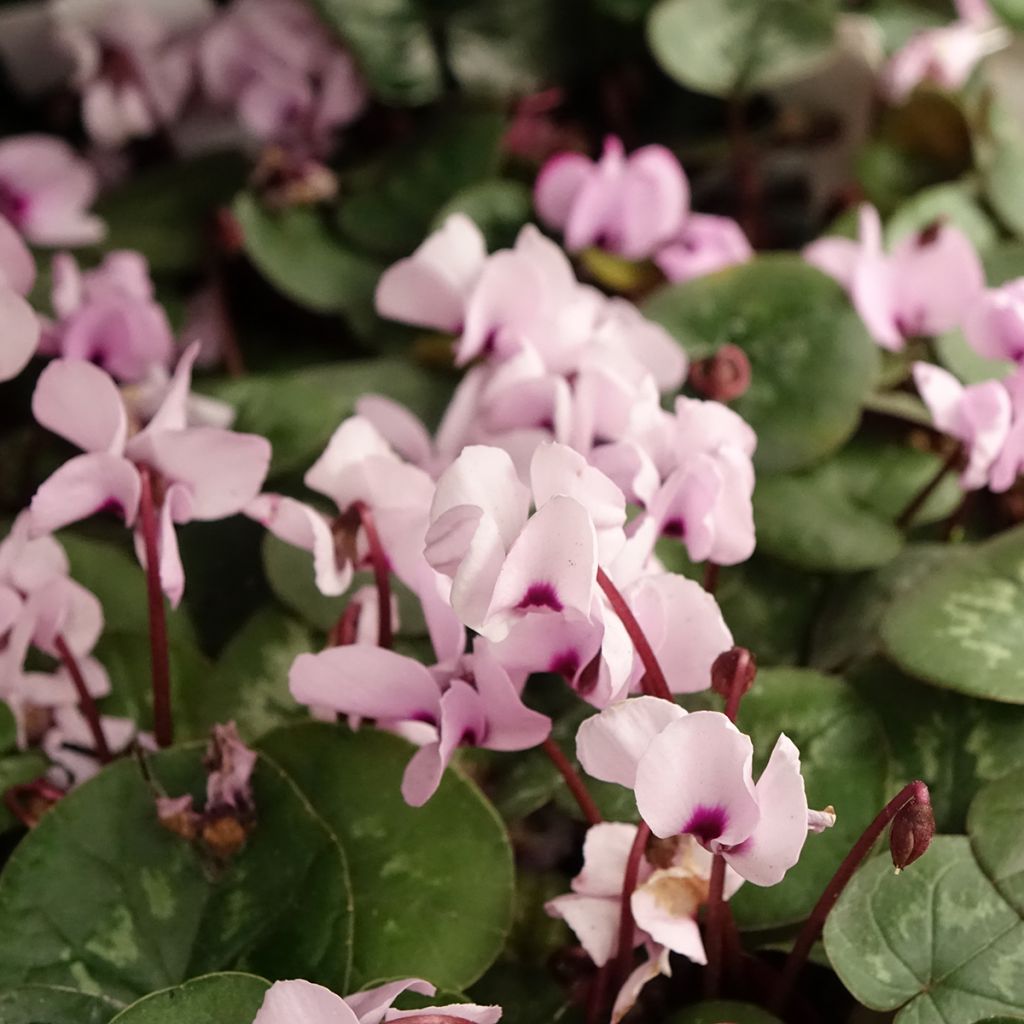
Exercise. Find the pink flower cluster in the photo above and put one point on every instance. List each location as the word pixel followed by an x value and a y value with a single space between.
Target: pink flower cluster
pixel 637 207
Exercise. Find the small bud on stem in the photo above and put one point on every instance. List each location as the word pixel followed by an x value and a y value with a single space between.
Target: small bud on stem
pixel 732 675
pixel 723 376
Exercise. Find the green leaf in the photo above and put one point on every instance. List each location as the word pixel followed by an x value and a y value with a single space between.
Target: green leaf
pixel 128 907
pixel 299 410
pixel 937 940
pixel 432 885
pixel 298 251
pixel 8 729
pixel 953 203
pixel 725 47
pixel 1011 11
pixel 227 998
pixel 723 1010
pixel 995 824
pixel 954 743
pixel 393 202
pixel 813 363
pixel 392 41
pixel 290 572
pixel 249 683
pixel 50 1004
pixel 960 628
pixel 843 755
pixel 167 213
pixel 526 994
pixel 498 207
pixel 16 770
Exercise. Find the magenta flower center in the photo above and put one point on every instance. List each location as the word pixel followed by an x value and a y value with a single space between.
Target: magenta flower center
pixel 541 595
pixel 707 823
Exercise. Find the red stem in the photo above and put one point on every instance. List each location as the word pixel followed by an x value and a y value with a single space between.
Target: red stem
pixel 653 682
pixel 576 785
pixel 163 723
pixel 86 704
pixel 39 788
pixel 624 956
pixel 343 632
pixel 711 577
pixel 914 791
pixel 906 518
pixel 713 928
pixel 381 573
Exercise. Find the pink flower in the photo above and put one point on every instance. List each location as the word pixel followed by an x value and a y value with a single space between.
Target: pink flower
pixel 109 316
pixel 978 416
pixel 200 473
pixel 134 68
pixel 704 244
pixel 628 205
pixel 470 701
pixel 994 324
pixel 19 333
pixel 276 64
pixel 302 1002
pixel 923 286
pixel 692 776
pixel 672 884
pixel 46 189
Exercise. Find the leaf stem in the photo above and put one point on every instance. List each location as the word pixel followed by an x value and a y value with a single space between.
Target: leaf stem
pixel 906 518
pixel 572 779
pixel 913 792
pixel 86 704
pixel 381 573
pixel 163 722
pixel 653 682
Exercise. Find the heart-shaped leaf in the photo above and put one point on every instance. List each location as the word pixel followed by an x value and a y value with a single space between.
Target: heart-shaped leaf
pixel 497 206
pixel 227 998
pixel 996 825
pixel 960 628
pixel 15 770
pixel 432 885
pixel 719 1010
pixel 937 940
pixel 127 907
pixel 51 1004
pixel 812 361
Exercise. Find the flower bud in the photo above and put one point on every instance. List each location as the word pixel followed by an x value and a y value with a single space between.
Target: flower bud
pixel 911 832
pixel 722 376
pixel 733 672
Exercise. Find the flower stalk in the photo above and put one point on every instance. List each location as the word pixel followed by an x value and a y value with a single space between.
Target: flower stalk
pixel 381 573
pixel 163 722
pixel 572 779
pixel 86 704
pixel 627 926
pixel 906 518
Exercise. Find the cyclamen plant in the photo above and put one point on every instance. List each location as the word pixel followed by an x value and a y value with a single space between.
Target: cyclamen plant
pixel 453 567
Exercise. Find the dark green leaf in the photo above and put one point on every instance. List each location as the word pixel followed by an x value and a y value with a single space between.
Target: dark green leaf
pixel 8 729
pixel 813 363
pixel 290 572
pixel 50 1004
pixel 937 940
pixel 497 206
pixel 843 756
pixel 127 907
pixel 995 825
pixel 723 1010
pixel 724 47
pixel 960 628
pixel 300 253
pixel 527 995
pixel 227 998
pixel 16 770
pixel 432 885
pixel 393 203
pixel 1011 11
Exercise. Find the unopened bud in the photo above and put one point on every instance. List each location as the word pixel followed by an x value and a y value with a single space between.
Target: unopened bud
pixel 911 832
pixel 722 376
pixel 224 835
pixel 733 672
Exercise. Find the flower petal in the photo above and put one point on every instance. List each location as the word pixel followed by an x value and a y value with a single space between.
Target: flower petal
pixel 302 1002
pixel 511 725
pixel 371 1004
pixel 81 403
pixel 593 919
pixel 557 186
pixel 19 333
pixel 605 853
pixel 83 486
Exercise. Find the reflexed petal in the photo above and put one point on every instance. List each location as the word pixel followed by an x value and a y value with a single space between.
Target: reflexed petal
pixel 403 431
pixel 695 778
pixel 775 844
pixel 605 853
pixel 302 1002
pixel 511 725
pixel 83 486
pixel 667 924
pixel 557 186
pixel 173 411
pixel 706 245
pixel 371 1005
pixel 81 403
pixel 942 393
pixel 610 745
pixel 17 267
pixel 657 963
pixel 19 333
pixel 654 200
pixel 468 1011
pixel 834 256
pixel 593 919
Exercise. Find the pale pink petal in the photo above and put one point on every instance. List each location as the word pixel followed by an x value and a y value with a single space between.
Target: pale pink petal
pixel 370 682
pixel 371 1004
pixel 610 745
pixel 994 322
pixel 511 725
pixel 774 846
pixel 707 244
pixel 985 425
pixel 64 608
pixel 661 919
pixel 695 778
pixel 19 332
pixel 403 431
pixel 176 507
pixel 17 267
pixel 10 607
pixel 353 442
pixel 942 393
pixel 655 198
pixel 302 1002
pixel 173 411
pixel 657 963
pixel 605 853
pixel 557 186
pixel 467 1011
pixel 834 256
pixel 81 403
pixel 83 486
pixel 222 470
pixel 592 219
pixel 593 919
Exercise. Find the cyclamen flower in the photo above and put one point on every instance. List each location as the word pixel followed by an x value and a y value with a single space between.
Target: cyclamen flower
pixel 923 286
pixel 994 323
pixel 19 325
pixel 705 243
pixel 470 701
pixel 980 417
pixel 134 68
pixel 46 189
pixel 198 473
pixel 278 66
pixel 302 1002
pixel 109 316
pixel 672 885
pixel 691 774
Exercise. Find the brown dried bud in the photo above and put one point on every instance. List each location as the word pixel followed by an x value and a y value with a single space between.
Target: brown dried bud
pixel 911 832
pixel 224 835
pixel 177 815
pixel 722 376
pixel 733 673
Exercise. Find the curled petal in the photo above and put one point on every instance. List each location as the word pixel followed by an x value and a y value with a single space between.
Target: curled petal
pixel 81 403
pixel 593 919
pixel 667 916
pixel 558 185
pixel 302 1002
pixel 83 486
pixel 372 1004
pixel 511 725
pixel 605 854
pixel 403 431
